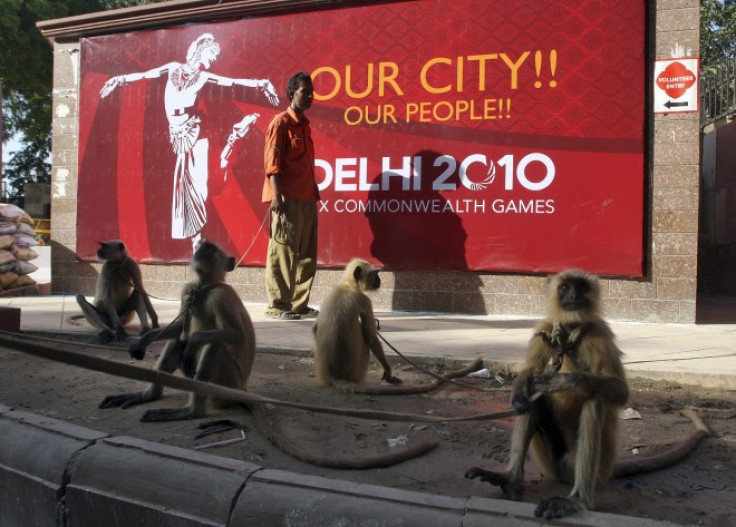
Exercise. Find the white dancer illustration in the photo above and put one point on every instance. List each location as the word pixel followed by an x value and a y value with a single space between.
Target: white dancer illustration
pixel 183 85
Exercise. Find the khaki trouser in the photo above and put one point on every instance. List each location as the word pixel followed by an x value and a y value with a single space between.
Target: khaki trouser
pixel 292 256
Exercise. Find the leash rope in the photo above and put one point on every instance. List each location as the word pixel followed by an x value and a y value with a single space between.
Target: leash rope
pixel 255 237
pixel 68 353
pixel 432 374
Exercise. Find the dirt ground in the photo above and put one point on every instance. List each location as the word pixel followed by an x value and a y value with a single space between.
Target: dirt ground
pixel 696 491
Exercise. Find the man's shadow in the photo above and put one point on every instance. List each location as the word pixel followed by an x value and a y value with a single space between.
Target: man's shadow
pixel 416 234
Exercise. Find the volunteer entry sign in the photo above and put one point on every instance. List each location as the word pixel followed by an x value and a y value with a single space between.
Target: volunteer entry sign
pixel 449 135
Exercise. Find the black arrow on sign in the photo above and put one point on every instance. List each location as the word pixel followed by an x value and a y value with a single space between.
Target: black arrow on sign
pixel 670 104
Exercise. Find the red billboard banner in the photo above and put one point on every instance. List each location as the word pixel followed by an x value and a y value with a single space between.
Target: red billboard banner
pixel 449 135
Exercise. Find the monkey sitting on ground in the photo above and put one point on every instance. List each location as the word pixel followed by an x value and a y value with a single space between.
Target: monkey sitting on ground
pixel 119 295
pixel 345 330
pixel 211 340
pixel 568 394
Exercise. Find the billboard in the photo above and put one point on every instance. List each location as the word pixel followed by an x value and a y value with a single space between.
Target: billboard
pixel 490 136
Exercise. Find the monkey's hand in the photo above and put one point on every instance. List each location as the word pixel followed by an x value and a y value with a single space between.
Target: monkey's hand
pixel 137 350
pixel 189 355
pixel 498 479
pixel 154 322
pixel 550 381
pixel 390 378
pixel 521 397
pixel 125 400
pixel 612 389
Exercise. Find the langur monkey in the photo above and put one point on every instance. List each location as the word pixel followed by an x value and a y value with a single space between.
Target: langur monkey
pixel 572 427
pixel 345 330
pixel 211 340
pixel 569 394
pixel 119 295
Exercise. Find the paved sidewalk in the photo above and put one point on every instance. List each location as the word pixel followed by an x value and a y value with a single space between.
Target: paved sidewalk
pixel 702 354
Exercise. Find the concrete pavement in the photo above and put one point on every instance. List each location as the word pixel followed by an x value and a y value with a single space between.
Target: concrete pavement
pixel 50 469
pixel 701 354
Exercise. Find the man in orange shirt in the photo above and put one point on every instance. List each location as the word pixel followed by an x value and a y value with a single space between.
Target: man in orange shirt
pixel 291 190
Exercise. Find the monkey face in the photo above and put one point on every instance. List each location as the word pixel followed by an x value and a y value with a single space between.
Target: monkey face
pixel 363 275
pixel 372 280
pixel 111 250
pixel 210 260
pixel 573 294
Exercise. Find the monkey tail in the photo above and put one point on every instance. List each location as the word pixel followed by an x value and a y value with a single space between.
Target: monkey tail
pixel 410 389
pixel 630 467
pixel 263 418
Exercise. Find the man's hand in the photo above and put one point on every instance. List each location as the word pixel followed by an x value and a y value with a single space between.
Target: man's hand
pixel 277 204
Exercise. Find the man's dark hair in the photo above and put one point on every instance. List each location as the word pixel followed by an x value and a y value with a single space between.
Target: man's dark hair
pixel 294 80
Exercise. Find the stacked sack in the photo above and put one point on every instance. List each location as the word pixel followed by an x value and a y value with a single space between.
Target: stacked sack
pixel 17 240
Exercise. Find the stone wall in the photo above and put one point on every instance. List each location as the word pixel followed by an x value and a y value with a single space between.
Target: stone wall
pixel 667 292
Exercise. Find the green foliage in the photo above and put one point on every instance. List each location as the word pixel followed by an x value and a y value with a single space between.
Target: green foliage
pixel 28 165
pixel 25 68
pixel 26 65
pixel 717 32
